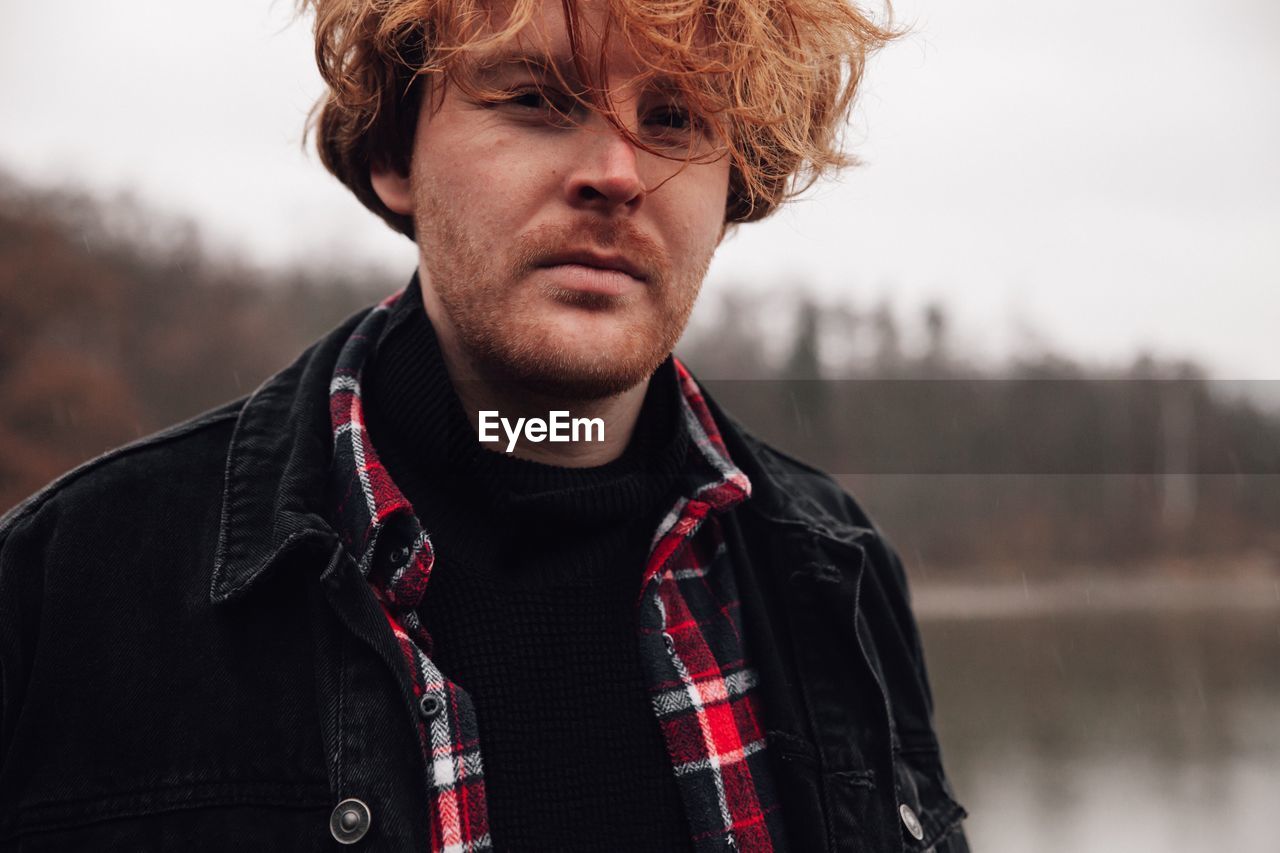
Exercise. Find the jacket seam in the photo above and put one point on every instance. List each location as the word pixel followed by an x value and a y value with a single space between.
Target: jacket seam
pixel 166 788
pixel 856 778
pixel 43 817
pixel 806 694
pixel 920 750
pixel 775 462
pixel 32 504
pixel 339 713
pixel 945 825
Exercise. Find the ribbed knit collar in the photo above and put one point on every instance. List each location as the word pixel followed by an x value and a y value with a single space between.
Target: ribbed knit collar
pixel 414 409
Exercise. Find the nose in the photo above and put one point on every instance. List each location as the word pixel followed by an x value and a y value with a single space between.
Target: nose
pixel 606 175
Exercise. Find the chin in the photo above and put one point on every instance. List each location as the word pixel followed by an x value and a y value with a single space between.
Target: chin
pixel 592 359
pixel 568 376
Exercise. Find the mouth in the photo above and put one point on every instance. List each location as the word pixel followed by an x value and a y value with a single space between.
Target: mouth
pixel 609 263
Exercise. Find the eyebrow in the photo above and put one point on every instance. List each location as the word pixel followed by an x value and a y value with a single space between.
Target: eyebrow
pixel 492 66
pixel 488 67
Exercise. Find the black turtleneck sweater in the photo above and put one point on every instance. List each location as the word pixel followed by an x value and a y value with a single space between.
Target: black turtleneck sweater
pixel 531 602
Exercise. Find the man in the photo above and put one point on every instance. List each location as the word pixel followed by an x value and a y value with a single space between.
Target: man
pixel 341 612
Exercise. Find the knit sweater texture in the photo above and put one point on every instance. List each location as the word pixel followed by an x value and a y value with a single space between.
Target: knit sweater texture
pixel 531 603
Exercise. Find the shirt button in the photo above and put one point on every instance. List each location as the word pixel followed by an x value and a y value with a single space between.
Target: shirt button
pixel 429 706
pixel 398 555
pixel 911 822
pixel 349 821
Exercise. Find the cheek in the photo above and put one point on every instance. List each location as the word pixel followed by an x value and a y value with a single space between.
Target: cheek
pixel 489 184
pixel 703 202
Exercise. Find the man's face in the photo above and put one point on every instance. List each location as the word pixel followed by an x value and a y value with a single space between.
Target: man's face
pixel 516 212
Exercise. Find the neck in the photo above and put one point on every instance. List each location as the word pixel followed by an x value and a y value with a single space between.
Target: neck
pixel 518 410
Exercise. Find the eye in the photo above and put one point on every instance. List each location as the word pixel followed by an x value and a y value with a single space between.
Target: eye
pixel 675 123
pixel 673 117
pixel 675 128
pixel 531 99
pixel 551 104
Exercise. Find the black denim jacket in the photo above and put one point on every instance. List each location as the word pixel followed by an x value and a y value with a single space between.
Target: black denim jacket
pixel 188 660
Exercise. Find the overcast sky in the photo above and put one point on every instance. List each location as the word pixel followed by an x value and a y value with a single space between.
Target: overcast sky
pixel 1097 178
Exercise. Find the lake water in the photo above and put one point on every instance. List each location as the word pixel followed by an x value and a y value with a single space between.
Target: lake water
pixel 1108 716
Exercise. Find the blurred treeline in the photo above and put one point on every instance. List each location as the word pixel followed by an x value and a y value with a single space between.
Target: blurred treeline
pixel 115 322
pixel 1042 465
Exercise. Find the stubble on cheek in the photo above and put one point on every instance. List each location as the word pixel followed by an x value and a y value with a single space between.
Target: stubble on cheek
pixel 506 328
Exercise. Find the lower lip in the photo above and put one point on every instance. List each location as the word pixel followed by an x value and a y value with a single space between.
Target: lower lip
pixel 593 279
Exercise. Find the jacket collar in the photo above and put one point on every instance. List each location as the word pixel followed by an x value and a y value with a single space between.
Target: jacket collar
pixel 783 488
pixel 368 507
pixel 279 459
pixel 273 497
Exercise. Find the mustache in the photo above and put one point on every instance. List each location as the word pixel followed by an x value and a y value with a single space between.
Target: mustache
pixel 537 246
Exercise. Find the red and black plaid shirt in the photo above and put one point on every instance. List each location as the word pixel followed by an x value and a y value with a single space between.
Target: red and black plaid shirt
pixel 690 632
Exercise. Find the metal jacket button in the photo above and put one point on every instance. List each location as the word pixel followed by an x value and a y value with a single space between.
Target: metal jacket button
pixel 911 822
pixel 349 821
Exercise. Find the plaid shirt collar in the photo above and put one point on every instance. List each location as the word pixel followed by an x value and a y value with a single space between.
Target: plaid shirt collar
pixel 701 686
pixel 370 510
